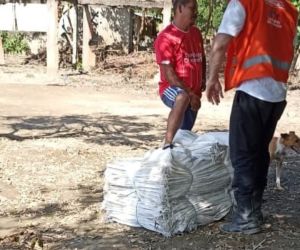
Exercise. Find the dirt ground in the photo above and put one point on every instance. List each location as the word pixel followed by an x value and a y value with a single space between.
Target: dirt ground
pixel 57 133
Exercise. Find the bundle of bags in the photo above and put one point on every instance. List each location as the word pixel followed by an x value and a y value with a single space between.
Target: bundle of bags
pixel 173 190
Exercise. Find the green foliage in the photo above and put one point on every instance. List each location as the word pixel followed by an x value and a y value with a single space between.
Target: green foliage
pixel 78 65
pixel 14 42
pixel 296 3
pixel 210 14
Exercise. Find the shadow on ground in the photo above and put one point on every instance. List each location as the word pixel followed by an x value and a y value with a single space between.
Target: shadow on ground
pixel 281 229
pixel 282 208
pixel 100 128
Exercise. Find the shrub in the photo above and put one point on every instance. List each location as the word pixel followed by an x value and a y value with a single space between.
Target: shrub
pixel 14 42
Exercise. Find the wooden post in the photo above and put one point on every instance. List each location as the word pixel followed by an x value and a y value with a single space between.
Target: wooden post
pixel 1 53
pixel 52 38
pixel 130 31
pixel 88 56
pixel 167 11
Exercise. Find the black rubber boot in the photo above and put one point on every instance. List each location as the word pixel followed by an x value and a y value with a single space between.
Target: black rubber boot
pixel 244 219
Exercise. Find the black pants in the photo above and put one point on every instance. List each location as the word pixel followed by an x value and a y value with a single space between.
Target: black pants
pixel 252 125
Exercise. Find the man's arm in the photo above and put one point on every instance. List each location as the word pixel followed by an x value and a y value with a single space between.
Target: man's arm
pixel 217 57
pixel 172 78
pixel 232 23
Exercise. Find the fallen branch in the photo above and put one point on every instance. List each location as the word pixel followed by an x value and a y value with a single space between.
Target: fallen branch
pixel 259 245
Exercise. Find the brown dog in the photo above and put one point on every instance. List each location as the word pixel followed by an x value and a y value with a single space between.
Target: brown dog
pixel 277 150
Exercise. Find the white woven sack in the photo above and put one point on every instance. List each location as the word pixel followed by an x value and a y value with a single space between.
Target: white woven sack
pixel 168 219
pixel 120 198
pixel 163 175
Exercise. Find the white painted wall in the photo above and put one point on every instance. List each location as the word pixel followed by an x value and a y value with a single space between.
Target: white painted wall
pixel 29 17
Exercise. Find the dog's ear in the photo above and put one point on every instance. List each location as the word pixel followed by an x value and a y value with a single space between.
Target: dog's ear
pixel 284 136
pixel 292 132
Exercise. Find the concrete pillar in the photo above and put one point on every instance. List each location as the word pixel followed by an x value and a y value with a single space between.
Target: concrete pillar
pixel 75 35
pixel 52 38
pixel 88 56
pixel 167 12
pixel 297 65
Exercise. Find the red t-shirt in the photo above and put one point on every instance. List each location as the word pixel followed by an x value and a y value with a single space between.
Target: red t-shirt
pixel 184 51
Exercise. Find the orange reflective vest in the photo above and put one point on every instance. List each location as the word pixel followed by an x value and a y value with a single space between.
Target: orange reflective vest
pixel 264 47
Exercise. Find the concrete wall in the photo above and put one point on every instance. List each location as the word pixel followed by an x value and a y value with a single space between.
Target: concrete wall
pixel 114 25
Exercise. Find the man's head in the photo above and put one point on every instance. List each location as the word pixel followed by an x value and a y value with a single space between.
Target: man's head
pixel 185 12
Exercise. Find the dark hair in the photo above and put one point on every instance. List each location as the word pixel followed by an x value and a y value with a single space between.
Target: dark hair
pixel 176 3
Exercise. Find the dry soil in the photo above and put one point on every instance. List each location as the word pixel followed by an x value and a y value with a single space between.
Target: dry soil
pixel 57 133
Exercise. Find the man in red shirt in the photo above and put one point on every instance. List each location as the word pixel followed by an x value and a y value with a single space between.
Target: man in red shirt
pixel 180 55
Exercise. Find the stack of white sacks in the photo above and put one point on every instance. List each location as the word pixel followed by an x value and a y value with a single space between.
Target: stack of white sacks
pixel 173 190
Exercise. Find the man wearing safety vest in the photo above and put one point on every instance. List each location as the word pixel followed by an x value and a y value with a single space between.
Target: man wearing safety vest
pixel 257 37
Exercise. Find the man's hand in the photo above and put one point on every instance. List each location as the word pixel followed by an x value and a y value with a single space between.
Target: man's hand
pixel 214 91
pixel 213 86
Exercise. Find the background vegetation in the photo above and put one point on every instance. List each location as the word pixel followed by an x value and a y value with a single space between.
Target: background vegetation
pixel 297 4
pixel 210 16
pixel 211 12
pixel 14 42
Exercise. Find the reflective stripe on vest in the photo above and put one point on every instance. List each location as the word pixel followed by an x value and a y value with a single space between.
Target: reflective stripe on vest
pixel 266 59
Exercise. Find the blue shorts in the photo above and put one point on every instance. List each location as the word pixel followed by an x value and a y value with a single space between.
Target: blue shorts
pixel 168 98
